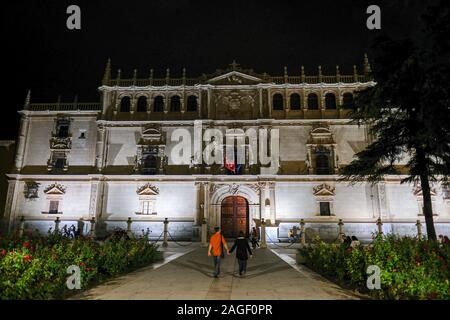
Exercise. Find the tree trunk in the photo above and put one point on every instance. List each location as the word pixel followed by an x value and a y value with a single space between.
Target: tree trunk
pixel 427 208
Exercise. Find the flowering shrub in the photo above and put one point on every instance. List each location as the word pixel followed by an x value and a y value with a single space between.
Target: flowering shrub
pixel 410 269
pixel 34 267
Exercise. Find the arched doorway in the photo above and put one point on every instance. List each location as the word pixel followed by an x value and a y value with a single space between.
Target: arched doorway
pixel 234 216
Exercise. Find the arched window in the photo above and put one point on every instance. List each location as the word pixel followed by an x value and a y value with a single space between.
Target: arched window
pixel 295 101
pixel 125 104
pixel 277 102
pixel 175 104
pixel 330 101
pixel 142 104
pixel 322 164
pixel 313 101
pixel 158 104
pixel 347 100
pixel 192 103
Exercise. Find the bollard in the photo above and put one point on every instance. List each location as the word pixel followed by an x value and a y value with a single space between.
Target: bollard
pixel 263 234
pixel 341 230
pixel 419 230
pixel 21 226
pixel 57 222
pixel 380 226
pixel 92 231
pixel 204 233
pixel 166 231
pixel 302 232
pixel 129 233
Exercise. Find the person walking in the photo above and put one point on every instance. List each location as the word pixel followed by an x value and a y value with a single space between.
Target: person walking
pixel 217 244
pixel 254 238
pixel 242 247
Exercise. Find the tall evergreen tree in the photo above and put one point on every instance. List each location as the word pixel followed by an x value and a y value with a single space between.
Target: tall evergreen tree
pixel 408 111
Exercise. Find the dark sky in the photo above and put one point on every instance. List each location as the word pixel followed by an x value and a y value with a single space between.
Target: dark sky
pixel 40 53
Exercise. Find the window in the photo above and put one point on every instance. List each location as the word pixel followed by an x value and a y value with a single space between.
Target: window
pixel 62 128
pixel 295 101
pixel 277 101
pixel 192 103
pixel 59 160
pixel 330 101
pixel 53 208
pixel 313 101
pixel 149 161
pixel 322 164
pixel 148 207
pixel 325 209
pixel 175 104
pixel 125 104
pixel 347 100
pixel 158 104
pixel 142 104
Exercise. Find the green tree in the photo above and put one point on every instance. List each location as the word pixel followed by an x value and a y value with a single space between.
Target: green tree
pixel 408 110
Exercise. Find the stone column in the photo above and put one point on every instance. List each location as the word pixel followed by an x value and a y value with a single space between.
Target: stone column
pixel 197 212
pixel 272 202
pixel 92 231
pixel 21 226
pixel 206 201
pixel 166 231
pixel 57 222
pixel 204 234
pixel 263 235
pixel 419 230
pixel 302 232
pixel 101 132
pixel 380 226
pixel 129 233
pixel 341 230
pixel 9 214
pixel 262 200
pixel 23 134
pixel 260 103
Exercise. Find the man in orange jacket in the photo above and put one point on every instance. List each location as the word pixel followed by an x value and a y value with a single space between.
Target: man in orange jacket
pixel 215 243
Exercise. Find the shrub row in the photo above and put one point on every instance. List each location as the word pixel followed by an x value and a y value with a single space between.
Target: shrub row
pixel 410 269
pixel 34 267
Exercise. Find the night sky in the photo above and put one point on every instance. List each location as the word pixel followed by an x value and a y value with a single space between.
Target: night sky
pixel 41 54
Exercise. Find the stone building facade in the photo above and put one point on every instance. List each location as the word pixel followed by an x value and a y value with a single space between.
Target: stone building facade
pixel 112 160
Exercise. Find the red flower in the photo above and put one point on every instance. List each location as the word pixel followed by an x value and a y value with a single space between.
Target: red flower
pixel 89 269
pixel 82 264
pixel 26 245
pixel 3 252
pixel 28 258
pixel 349 250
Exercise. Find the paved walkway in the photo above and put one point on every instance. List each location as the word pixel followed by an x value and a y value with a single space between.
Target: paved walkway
pixel 186 273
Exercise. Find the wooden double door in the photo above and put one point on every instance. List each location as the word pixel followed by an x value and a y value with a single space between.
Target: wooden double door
pixel 234 216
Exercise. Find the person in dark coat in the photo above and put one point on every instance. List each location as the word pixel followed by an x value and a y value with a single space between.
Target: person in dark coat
pixel 242 247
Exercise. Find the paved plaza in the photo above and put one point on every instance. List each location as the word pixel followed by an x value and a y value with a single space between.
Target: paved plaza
pixel 186 273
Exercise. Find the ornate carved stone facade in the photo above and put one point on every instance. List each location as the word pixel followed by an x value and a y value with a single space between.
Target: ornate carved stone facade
pixel 112 160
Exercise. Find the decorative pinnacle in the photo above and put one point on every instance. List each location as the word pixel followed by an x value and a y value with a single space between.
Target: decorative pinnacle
pixel 119 72
pixel 337 70
pixel 303 70
pixel 107 74
pixel 320 70
pixel 234 65
pixel 184 72
pixel 27 100
pixel 135 74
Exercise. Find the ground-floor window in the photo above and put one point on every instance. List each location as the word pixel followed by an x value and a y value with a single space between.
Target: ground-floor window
pixel 325 209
